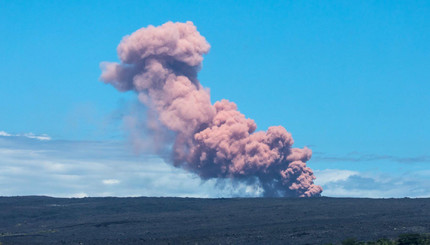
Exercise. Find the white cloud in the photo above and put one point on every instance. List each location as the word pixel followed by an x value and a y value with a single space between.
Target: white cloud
pixel 374 185
pixel 79 195
pixel 89 168
pixel 110 181
pixel 26 135
pixel 332 175
pixel 3 133
pixel 38 137
pixel 78 169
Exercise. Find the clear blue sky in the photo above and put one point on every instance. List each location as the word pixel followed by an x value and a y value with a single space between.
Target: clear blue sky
pixel 350 79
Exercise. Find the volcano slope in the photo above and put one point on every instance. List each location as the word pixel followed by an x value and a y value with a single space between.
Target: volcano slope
pixel 46 220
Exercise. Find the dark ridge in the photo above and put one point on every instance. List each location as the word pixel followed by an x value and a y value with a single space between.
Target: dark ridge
pixel 163 220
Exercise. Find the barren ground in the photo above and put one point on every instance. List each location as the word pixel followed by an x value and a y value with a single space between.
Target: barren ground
pixel 45 220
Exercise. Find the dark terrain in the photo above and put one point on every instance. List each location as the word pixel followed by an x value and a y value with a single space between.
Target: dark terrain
pixel 45 220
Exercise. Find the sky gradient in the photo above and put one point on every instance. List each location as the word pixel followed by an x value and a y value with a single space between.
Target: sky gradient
pixel 350 80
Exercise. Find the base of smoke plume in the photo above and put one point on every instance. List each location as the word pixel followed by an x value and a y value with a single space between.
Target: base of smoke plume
pixel 148 135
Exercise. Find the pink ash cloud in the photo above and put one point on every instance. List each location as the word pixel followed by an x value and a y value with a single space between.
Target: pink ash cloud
pixel 216 140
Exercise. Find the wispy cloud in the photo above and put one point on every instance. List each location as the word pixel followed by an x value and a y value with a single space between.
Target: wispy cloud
pixel 345 183
pixel 3 133
pixel 364 157
pixel 333 175
pixel 30 166
pixel 97 168
pixel 110 181
pixel 26 135
pixel 38 137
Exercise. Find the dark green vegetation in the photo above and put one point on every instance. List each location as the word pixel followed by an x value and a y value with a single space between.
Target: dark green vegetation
pixel 404 239
pixel 45 220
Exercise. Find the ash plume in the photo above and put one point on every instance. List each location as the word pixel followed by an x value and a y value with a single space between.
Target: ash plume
pixel 216 140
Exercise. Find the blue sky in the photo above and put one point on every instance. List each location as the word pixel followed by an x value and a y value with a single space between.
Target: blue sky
pixel 349 79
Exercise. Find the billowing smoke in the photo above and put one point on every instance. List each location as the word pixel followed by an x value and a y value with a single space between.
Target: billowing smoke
pixel 212 140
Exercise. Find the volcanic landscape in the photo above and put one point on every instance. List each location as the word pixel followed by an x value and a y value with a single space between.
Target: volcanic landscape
pixel 137 220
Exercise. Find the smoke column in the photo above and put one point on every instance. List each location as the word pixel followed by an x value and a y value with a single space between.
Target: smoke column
pixel 161 64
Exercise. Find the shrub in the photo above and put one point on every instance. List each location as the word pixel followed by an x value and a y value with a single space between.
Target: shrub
pixel 404 239
pixel 413 239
